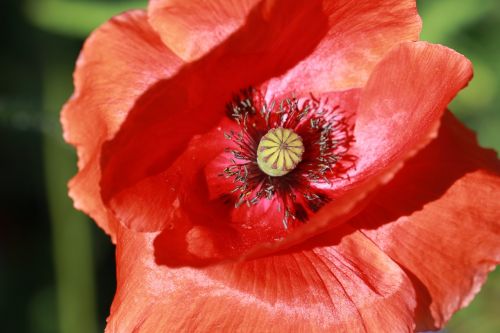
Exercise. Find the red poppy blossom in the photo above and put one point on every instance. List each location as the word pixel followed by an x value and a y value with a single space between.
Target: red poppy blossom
pixel 281 166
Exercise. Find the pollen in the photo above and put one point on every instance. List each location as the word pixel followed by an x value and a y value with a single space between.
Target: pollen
pixel 279 151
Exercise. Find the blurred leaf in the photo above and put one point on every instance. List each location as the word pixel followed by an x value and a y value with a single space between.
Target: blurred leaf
pixel 482 315
pixel 75 18
pixel 42 311
pixel 481 91
pixel 71 230
pixel 444 18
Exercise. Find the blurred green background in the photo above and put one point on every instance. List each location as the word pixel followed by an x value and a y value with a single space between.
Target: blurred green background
pixel 56 267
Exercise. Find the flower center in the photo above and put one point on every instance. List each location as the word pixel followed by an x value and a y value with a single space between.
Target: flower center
pixel 279 151
pixel 283 150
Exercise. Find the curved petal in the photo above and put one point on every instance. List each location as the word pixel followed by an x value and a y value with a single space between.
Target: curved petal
pixel 440 220
pixel 402 104
pixel 192 28
pixel 359 34
pixel 162 199
pixel 109 76
pixel 333 284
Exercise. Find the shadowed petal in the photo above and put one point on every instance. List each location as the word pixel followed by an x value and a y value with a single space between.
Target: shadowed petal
pixel 119 61
pixel 191 28
pixel 440 220
pixel 359 34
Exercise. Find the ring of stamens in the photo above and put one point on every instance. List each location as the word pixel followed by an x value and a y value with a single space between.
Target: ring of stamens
pixel 279 151
pixel 258 163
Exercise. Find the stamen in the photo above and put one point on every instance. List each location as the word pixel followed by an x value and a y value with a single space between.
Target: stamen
pixel 283 148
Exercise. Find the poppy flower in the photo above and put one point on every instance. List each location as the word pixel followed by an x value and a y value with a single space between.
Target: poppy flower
pixel 281 166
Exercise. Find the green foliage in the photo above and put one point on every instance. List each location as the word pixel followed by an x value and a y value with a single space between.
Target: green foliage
pixel 472 28
pixel 76 18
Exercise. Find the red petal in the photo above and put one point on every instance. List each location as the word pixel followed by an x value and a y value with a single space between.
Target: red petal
pixel 191 28
pixel 360 34
pixel 333 284
pixel 109 75
pixel 402 104
pixel 440 220
pixel 165 198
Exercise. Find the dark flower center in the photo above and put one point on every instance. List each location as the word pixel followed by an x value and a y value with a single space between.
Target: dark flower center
pixel 286 151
